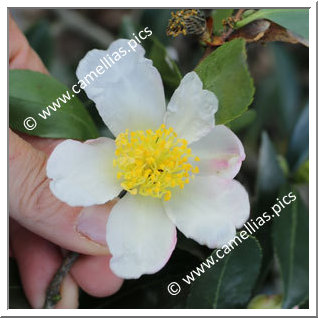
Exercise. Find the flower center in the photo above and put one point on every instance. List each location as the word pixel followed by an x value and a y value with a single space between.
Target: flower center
pixel 152 162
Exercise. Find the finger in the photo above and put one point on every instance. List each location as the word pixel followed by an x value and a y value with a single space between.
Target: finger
pixel 33 205
pixel 46 145
pixel 38 260
pixel 93 275
pixel 21 55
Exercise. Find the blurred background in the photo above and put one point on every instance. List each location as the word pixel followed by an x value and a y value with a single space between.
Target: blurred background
pixel 276 120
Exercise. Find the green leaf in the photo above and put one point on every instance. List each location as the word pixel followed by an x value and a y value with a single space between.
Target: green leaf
pixel 266 302
pixel 225 73
pixel 298 148
pixel 228 284
pixel 283 165
pixel 278 93
pixel 31 92
pixel 270 177
pixel 167 68
pixel 288 89
pixel 247 13
pixel 302 174
pixel 295 20
pixel 242 122
pixel 218 16
pixel 291 245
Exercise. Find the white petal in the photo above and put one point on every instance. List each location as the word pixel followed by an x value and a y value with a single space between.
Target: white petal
pixel 209 209
pixel 129 94
pixel 82 173
pixel 221 153
pixel 140 236
pixel 191 109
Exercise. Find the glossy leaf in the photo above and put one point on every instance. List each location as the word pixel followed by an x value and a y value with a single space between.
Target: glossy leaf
pixel 167 68
pixel 295 20
pixel 278 93
pixel 298 148
pixel 225 73
pixel 266 302
pixel 302 174
pixel 228 284
pixel 244 121
pixel 291 245
pixel 270 177
pixel 31 92
pixel 288 89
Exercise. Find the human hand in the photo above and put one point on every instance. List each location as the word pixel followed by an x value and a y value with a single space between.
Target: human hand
pixel 40 225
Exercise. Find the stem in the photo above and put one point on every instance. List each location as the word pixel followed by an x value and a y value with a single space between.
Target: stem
pixel 238 14
pixel 53 294
pixel 260 14
pixel 236 18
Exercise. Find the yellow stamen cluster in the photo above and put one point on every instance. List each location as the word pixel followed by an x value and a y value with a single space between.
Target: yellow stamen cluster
pixel 152 162
pixel 188 21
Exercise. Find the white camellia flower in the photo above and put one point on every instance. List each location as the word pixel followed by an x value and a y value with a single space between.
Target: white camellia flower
pixel 175 164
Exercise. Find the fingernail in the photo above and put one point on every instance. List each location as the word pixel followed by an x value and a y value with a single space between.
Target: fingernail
pixel 92 223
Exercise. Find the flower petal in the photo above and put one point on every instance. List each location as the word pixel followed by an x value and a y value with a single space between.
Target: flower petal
pixel 221 153
pixel 129 94
pixel 191 109
pixel 209 209
pixel 140 236
pixel 82 173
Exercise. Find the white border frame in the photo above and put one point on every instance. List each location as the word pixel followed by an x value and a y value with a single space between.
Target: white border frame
pixel 312 159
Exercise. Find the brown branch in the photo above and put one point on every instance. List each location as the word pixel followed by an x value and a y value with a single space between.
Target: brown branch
pixel 236 18
pixel 238 14
pixel 53 292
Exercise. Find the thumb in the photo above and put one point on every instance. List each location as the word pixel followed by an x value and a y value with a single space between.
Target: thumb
pixel 21 54
pixel 32 204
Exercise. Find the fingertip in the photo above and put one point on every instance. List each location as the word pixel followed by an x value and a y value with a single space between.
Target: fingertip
pixel 93 275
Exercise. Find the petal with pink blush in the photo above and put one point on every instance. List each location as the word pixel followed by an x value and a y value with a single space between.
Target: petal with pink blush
pixel 209 209
pixel 221 153
pixel 140 236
